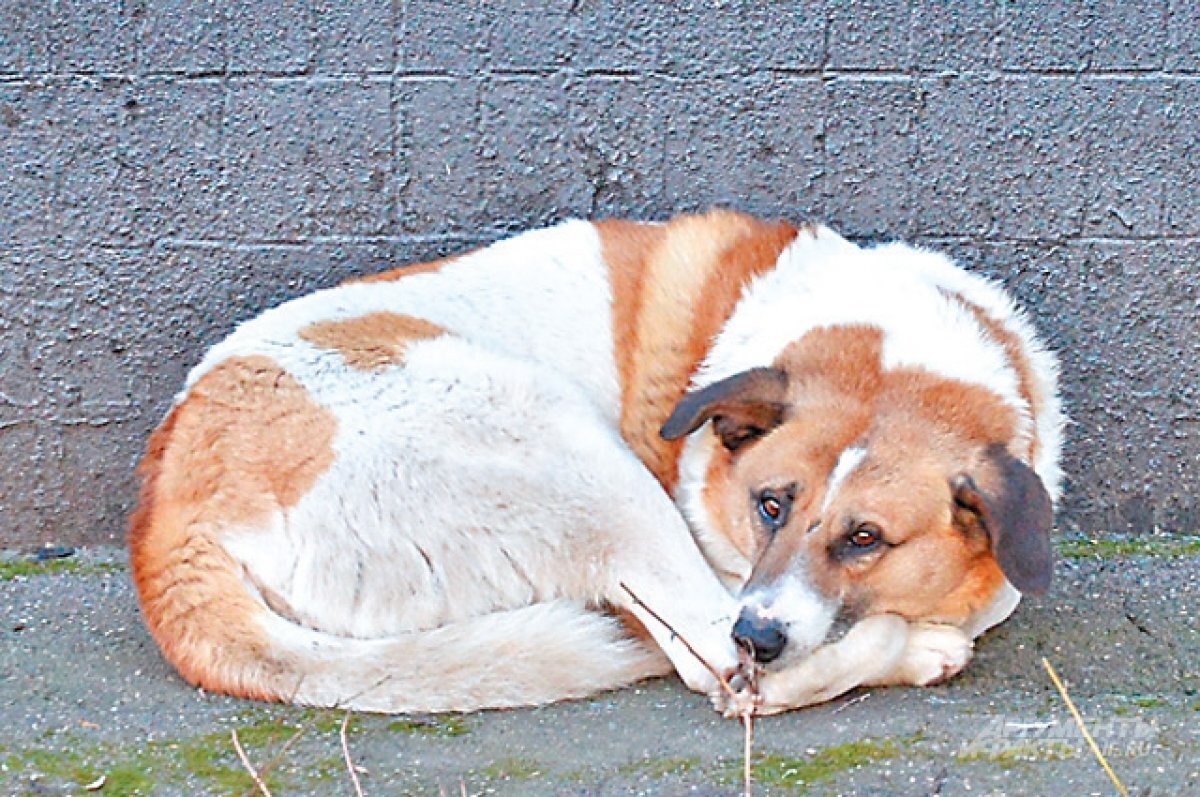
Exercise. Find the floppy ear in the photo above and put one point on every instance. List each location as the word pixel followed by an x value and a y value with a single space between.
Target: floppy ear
pixel 1008 500
pixel 743 408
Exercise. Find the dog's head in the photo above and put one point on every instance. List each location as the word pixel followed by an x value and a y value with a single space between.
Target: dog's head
pixel 856 491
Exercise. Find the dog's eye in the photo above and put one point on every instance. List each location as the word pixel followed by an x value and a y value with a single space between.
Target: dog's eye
pixel 773 508
pixel 865 536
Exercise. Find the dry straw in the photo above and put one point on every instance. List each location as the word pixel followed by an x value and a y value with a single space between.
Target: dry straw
pixel 1062 690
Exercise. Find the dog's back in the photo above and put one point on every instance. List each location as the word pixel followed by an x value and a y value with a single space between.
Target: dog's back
pixel 359 496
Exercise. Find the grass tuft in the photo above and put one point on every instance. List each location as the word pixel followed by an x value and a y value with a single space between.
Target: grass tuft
pixel 447 726
pixel 1157 545
pixel 792 772
pixel 1020 754
pixel 12 569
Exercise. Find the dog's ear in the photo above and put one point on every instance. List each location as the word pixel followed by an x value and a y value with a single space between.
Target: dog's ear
pixel 1007 499
pixel 743 408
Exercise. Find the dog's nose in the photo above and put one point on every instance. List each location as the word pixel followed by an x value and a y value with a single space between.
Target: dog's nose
pixel 764 639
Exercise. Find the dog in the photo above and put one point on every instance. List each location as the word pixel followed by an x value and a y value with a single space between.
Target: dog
pixel 754 452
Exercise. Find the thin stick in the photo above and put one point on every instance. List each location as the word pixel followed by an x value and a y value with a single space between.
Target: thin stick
pixel 1062 690
pixel 747 715
pixel 747 660
pixel 346 754
pixel 237 745
pixel 724 684
pixel 851 702
pixel 268 767
pixel 747 745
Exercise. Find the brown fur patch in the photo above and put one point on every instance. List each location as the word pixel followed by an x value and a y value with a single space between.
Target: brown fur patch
pixel 371 342
pixel 716 482
pixel 981 581
pixel 835 363
pixel 246 442
pixel 674 286
pixel 1014 350
pixel 628 248
pixel 969 412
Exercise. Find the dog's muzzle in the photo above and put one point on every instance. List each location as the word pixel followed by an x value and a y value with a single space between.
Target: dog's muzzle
pixel 761 637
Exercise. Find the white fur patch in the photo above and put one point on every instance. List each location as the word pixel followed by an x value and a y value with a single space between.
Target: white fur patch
pixel 543 297
pixel 730 565
pixel 1002 605
pixel 793 602
pixel 849 460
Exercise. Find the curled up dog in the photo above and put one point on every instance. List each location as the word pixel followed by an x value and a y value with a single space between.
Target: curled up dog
pixel 423 490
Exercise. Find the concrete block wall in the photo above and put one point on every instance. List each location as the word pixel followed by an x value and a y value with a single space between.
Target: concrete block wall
pixel 169 168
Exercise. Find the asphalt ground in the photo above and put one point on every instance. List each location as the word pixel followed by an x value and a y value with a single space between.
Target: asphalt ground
pixel 88 703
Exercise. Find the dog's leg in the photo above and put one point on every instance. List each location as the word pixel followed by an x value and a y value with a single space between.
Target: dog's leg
pixel 650 564
pixel 934 653
pixel 869 652
pixel 662 573
pixel 883 650
pixel 583 516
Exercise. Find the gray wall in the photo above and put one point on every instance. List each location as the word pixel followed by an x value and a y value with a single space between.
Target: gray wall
pixel 170 168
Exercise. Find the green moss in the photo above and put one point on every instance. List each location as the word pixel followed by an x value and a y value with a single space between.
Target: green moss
pixel 1119 547
pixel 511 769
pixel 127 778
pixel 661 767
pixel 1150 702
pixel 449 726
pixel 1019 754
pixel 209 759
pixel 327 769
pixel 791 772
pixel 322 720
pixel 212 757
pixel 24 568
pixel 203 760
pixel 64 765
pixel 263 733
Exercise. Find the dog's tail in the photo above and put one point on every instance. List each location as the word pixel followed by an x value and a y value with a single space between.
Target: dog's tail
pixel 221 635
pixel 527 656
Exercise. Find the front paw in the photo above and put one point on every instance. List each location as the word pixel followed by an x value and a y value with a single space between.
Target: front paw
pixel 738 696
pixel 740 700
pixel 934 653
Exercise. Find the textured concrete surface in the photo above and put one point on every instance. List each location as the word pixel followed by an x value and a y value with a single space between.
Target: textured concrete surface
pixel 170 168
pixel 86 695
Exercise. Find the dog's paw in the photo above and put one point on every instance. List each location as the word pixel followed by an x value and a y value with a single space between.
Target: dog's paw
pixel 741 702
pixel 738 696
pixel 934 653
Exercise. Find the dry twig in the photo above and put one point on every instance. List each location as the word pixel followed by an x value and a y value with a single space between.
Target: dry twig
pixel 1062 690
pixel 748 727
pixel 720 679
pixel 854 701
pixel 747 716
pixel 237 745
pixel 266 768
pixel 346 754
pixel 462 786
pixel 747 752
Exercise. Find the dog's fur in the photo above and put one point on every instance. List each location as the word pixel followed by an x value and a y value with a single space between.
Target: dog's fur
pixel 427 490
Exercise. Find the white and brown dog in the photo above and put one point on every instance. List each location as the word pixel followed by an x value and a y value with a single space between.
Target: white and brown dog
pixel 426 490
